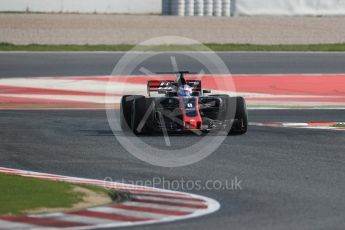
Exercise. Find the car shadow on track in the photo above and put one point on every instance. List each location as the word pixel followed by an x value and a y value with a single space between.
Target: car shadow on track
pixel 109 132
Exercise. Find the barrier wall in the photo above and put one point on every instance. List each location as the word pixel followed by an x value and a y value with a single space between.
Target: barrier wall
pixel 290 7
pixel 180 7
pixel 83 6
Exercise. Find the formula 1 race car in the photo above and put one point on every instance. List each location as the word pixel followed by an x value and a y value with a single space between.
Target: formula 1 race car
pixel 184 106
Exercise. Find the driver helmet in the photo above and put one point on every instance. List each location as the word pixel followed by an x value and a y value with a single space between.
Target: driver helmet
pixel 184 91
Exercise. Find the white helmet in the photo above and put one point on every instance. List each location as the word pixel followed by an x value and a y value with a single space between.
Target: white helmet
pixel 184 91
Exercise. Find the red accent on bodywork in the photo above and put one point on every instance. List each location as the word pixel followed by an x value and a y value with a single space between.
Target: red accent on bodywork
pixel 154 84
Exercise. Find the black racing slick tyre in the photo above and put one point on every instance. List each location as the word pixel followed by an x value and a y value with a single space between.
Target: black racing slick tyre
pixel 125 112
pixel 142 114
pixel 130 111
pixel 240 125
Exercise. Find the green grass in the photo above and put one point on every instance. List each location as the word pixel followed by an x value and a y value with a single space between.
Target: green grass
pixel 35 47
pixel 248 47
pixel 19 194
pixel 161 48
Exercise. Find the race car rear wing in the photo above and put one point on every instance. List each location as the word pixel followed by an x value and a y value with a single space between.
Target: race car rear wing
pixel 164 86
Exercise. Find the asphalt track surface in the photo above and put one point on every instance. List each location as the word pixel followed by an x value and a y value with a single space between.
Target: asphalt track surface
pixel 291 178
pixel 86 64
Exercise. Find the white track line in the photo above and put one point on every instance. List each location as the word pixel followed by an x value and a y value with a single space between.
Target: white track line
pixel 128 212
pixel 300 125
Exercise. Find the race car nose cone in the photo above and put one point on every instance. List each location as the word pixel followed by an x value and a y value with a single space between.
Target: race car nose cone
pixel 192 123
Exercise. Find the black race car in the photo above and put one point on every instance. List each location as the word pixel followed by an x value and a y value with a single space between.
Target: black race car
pixel 197 112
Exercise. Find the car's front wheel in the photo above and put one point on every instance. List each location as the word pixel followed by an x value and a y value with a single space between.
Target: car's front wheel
pixel 240 124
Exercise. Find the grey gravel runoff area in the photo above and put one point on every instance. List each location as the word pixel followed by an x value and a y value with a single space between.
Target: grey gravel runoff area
pixel 133 29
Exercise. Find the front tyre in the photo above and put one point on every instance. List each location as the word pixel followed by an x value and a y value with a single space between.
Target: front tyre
pixel 130 111
pixel 142 114
pixel 125 112
pixel 240 124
